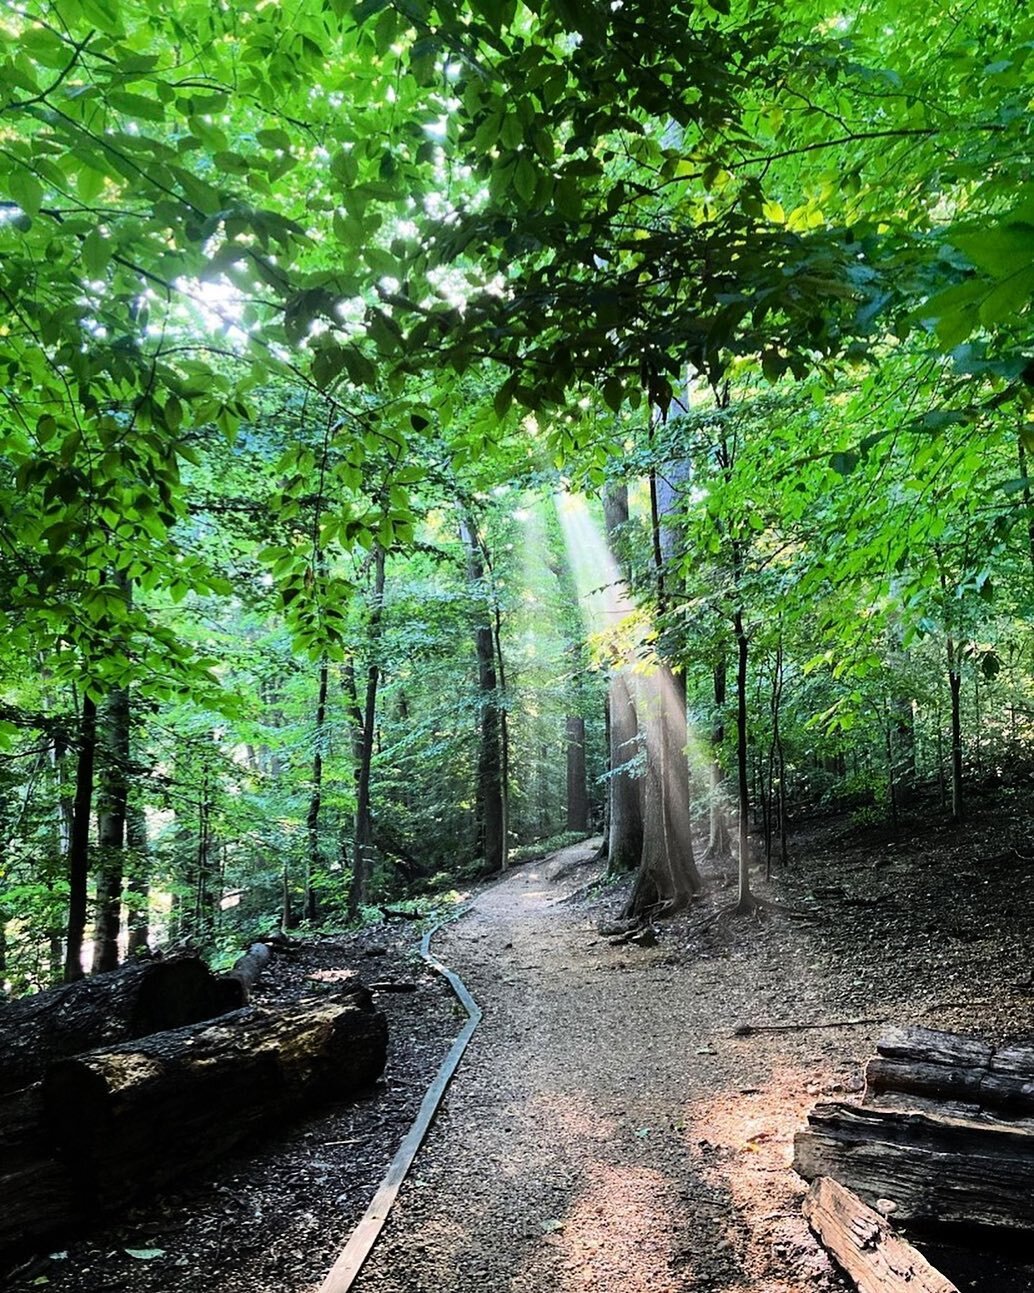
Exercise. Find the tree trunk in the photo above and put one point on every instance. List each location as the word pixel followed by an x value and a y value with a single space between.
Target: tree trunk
pixel 137 885
pixel 79 843
pixel 626 818
pixel 139 998
pixel 744 901
pixel 358 893
pixel 310 909
pixel 491 791
pixel 112 798
pixel 955 688
pixel 719 845
pixel 577 791
pixel 668 879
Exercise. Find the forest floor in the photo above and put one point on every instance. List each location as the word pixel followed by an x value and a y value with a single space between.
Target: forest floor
pixel 608 1128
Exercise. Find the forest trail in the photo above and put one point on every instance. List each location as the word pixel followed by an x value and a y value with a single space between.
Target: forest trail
pixel 606 1130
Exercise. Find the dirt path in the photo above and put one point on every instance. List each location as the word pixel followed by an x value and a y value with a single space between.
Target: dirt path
pixel 607 1131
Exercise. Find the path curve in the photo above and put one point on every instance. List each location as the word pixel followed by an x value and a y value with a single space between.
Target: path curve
pixel 606 1130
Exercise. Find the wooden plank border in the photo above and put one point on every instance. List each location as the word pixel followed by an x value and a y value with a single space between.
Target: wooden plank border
pixel 346 1269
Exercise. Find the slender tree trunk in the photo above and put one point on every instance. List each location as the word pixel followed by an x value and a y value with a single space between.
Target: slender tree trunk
pixel 504 730
pixel 315 857
pixel 744 900
pixel 112 797
pixel 79 843
pixel 358 893
pixel 137 885
pixel 1027 499
pixel 955 688
pixel 577 790
pixel 491 789
pixel 719 846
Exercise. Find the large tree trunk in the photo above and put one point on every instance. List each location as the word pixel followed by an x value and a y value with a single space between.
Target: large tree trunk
pixel 626 817
pixel 111 828
pixel 79 843
pixel 668 878
pixel 577 791
pixel 39 1198
pixel 358 893
pixel 139 998
pixel 625 845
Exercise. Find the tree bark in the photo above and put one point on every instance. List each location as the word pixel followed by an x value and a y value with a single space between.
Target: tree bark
pixel 491 791
pixel 577 791
pixel 112 800
pixel 358 893
pixel 744 901
pixel 137 884
pixel 626 818
pixel 79 842
pixel 310 909
pixel 668 878
pixel 719 845
pixel 918 1067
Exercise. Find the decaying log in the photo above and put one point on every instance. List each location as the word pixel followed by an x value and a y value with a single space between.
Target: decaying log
pixel 944 1068
pixel 138 1115
pixel 247 969
pixel 865 1246
pixel 36 1195
pixel 935 1170
pixel 139 998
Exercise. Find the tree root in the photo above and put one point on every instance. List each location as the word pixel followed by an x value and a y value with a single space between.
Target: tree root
pixel 758 908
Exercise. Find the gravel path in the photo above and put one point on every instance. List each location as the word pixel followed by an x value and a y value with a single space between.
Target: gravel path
pixel 607 1131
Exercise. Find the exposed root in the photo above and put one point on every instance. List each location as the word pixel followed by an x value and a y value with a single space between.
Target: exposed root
pixel 758 908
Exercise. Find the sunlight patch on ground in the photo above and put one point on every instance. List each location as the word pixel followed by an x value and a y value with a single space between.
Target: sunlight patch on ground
pixel 747 1139
pixel 619 1234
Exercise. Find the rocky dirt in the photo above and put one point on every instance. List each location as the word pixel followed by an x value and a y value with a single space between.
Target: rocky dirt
pixel 611 1127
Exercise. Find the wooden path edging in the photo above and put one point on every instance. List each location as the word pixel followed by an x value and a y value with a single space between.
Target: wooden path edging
pixel 346 1269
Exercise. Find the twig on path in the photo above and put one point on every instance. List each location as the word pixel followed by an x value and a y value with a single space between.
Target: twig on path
pixel 746 1030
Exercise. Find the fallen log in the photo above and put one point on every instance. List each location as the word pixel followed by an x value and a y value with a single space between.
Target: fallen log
pixel 944 1068
pixel 864 1245
pixel 248 968
pixel 37 1195
pixel 139 998
pixel 935 1170
pixel 131 1117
